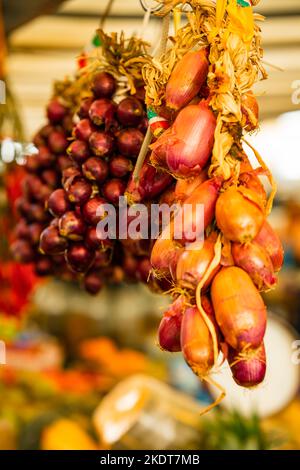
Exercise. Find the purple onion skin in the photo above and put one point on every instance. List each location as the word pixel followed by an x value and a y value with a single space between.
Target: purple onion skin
pixel 103 85
pixel 58 203
pixel 120 166
pixel 93 283
pixel 95 240
pixel 89 210
pixel 85 107
pixel 35 231
pixel 46 130
pixel 95 169
pixel 64 162
pixel 102 112
pixel 44 159
pixel 71 226
pixel 22 229
pixel 169 332
pixel 69 174
pixel 101 143
pixel 79 151
pixel 51 242
pixel 129 142
pixel 56 111
pixel 43 266
pixel 249 371
pixel 22 251
pixel 57 142
pixel 113 189
pixel 50 178
pixel 79 258
pixel 143 269
pixel 84 129
pixel 79 191
pixel 130 112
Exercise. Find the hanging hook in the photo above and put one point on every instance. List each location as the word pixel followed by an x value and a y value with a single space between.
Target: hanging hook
pixel 146 7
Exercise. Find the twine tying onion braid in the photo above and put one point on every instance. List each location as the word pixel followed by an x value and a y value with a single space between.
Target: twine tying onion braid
pixel 269 175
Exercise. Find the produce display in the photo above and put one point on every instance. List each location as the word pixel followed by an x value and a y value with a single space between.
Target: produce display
pixel 182 142
pixel 85 166
pixel 202 86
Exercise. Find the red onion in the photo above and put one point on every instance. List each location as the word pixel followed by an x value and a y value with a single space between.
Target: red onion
pixel 248 369
pixel 36 212
pixel 51 242
pixel 170 326
pixel 56 111
pixel 101 143
pixel 129 265
pixel 143 126
pixel 129 142
pixel 22 229
pixel 150 184
pixel 34 232
pixel 120 166
pixel 102 112
pixel 113 189
pixel 57 142
pixel 143 269
pixel 50 177
pixel 43 266
pixel 71 226
pixel 85 107
pixel 79 191
pixel 79 258
pixel 93 283
pixel 46 130
pixel 94 239
pixel 95 169
pixel 22 251
pixel 79 151
pixel 185 148
pixel 130 112
pixel 69 174
pixel 64 162
pixel 269 239
pixel 254 259
pixel 102 258
pixel 89 210
pixel 103 85
pixel 44 157
pixel 84 129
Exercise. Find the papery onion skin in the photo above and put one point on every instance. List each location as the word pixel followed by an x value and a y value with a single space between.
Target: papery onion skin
pixel 250 111
pixel 239 309
pixel 239 214
pixel 196 342
pixel 193 262
pixel 51 242
pixel 170 326
pixel 254 259
pixel 252 181
pixel 269 239
pixel 186 79
pixel 250 369
pixel 186 146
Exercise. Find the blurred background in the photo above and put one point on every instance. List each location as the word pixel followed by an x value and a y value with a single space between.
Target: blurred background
pixel 85 372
